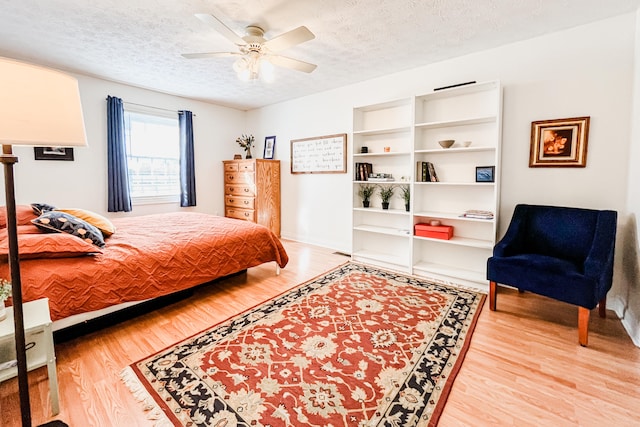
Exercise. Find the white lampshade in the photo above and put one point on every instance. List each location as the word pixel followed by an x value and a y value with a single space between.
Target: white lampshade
pixel 39 106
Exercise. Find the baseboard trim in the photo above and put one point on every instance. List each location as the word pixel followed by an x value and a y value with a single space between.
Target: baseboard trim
pixel 628 318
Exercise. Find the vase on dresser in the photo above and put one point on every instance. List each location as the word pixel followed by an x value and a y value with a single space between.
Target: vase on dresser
pixel 248 155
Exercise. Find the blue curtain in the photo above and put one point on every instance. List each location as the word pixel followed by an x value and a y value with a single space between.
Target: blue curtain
pixel 187 168
pixel 118 176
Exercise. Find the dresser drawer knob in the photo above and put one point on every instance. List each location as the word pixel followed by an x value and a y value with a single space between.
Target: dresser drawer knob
pixel 246 202
pixel 246 214
pixel 230 200
pixel 246 190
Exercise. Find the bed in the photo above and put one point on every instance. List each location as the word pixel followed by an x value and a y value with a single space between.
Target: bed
pixel 146 257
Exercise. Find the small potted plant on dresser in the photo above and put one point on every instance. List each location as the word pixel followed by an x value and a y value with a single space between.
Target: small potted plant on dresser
pixel 5 293
pixel 386 192
pixel 366 191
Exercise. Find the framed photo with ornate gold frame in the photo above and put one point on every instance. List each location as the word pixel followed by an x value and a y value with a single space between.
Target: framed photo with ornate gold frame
pixel 559 143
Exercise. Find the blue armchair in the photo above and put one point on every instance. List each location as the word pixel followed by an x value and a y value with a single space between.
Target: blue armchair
pixel 559 252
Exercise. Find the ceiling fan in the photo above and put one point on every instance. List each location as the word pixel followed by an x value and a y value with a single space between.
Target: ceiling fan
pixel 257 55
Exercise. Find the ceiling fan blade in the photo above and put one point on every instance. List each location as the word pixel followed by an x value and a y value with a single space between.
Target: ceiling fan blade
pixel 294 64
pixel 221 28
pixel 210 55
pixel 288 39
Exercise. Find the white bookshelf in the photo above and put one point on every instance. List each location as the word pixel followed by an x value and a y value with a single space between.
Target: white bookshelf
pixel 411 129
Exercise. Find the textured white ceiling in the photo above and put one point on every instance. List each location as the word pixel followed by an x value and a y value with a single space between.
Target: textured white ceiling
pixel 139 42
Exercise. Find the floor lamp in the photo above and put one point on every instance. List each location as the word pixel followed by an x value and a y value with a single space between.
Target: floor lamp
pixel 38 107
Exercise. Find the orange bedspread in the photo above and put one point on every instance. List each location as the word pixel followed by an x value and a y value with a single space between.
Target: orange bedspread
pixel 147 257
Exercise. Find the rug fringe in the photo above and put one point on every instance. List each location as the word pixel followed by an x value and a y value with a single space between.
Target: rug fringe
pixel 141 394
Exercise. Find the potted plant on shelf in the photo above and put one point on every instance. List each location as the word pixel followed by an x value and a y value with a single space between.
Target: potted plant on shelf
pixel 366 191
pixel 406 195
pixel 246 141
pixel 5 293
pixel 386 192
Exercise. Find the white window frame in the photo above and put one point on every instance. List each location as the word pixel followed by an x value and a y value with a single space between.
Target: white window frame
pixel 153 200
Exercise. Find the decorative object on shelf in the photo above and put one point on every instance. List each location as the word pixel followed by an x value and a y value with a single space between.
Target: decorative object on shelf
pixel 53 153
pixel 269 147
pixel 237 157
pixel 485 173
pixel 406 195
pixel 246 141
pixel 443 232
pixel 559 143
pixel 387 149
pixel 366 191
pixel 477 214
pixel 5 293
pixel 466 144
pixel 386 193
pixel 364 150
pixel 446 143
pixel 380 177
pixel 434 222
pixel 320 154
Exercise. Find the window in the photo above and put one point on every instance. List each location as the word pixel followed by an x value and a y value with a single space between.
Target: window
pixel 153 155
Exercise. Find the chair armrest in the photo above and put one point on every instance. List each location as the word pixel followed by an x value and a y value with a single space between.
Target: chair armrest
pixel 511 243
pixel 599 261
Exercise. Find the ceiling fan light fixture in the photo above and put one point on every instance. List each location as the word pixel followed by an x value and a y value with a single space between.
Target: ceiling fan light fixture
pixel 256 55
pixel 266 70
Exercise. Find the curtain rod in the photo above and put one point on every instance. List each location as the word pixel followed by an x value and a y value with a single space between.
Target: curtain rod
pixel 150 106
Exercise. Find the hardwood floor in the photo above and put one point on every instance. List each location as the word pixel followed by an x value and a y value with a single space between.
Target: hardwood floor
pixel 524 366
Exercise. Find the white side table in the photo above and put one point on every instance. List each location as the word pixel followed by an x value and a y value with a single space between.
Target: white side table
pixel 39 343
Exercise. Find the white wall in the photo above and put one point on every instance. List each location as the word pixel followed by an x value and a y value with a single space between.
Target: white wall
pixel 83 182
pixel 625 296
pixel 584 71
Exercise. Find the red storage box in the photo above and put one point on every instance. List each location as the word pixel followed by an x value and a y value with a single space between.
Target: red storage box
pixel 444 232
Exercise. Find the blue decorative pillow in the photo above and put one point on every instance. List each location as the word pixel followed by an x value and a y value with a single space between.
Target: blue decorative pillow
pixel 40 208
pixel 54 221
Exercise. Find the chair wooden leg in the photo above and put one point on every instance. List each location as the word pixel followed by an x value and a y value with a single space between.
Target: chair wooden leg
pixel 602 307
pixel 493 291
pixel 583 326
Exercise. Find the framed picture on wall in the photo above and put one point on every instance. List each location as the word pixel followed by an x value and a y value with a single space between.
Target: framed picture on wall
pixel 53 153
pixel 559 143
pixel 269 147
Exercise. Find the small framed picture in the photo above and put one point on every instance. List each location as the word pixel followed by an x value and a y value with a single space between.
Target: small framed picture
pixel 269 147
pixel 53 153
pixel 559 143
pixel 485 173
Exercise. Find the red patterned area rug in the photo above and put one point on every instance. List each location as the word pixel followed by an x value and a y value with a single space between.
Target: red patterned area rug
pixel 357 346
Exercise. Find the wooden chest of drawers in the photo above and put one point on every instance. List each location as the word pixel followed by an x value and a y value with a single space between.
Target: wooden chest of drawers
pixel 252 191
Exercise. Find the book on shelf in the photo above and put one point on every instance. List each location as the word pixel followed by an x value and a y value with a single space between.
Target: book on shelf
pixel 362 171
pixel 432 172
pixel 426 172
pixel 478 214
